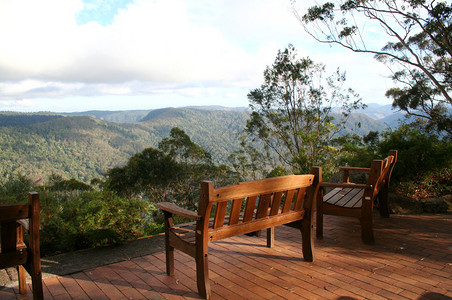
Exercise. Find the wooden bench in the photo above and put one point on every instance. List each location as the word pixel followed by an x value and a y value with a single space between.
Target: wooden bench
pixel 357 200
pixel 240 209
pixel 14 252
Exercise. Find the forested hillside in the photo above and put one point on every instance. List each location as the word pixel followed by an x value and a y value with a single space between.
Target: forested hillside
pixel 73 147
pixel 84 147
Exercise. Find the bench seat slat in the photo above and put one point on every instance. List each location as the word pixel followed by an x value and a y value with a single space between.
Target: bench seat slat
pixel 356 201
pixel 12 259
pixel 349 195
pixel 336 195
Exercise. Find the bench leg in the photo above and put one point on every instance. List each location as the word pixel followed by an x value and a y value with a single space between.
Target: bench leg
pixel 202 276
pixel 367 231
pixel 22 280
pixel 169 252
pixel 319 213
pixel 270 237
pixel 307 230
pixel 383 204
pixel 36 282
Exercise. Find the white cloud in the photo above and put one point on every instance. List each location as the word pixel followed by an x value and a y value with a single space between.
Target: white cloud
pixel 189 48
pixel 17 103
pixel 158 41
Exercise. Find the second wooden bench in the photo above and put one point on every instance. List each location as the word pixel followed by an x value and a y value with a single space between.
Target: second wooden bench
pixel 240 209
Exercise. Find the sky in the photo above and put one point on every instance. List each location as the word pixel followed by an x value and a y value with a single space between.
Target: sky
pixel 79 55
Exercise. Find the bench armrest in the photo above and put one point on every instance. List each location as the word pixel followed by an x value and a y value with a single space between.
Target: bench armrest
pixel 25 223
pixel 346 185
pixel 174 209
pixel 355 169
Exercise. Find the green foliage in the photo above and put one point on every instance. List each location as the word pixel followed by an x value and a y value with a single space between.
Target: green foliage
pixel 143 171
pixel 59 184
pixel 171 173
pixel 424 164
pixel 180 147
pixel 418 48
pixel 72 147
pixel 419 152
pixel 15 190
pixel 356 151
pixel 249 163
pixel 291 111
pixel 432 183
pixel 78 220
pixel 12 119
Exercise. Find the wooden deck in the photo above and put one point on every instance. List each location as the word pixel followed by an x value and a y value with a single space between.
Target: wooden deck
pixel 412 259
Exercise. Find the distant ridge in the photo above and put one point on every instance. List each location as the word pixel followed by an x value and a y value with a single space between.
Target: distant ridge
pixel 217 107
pixel 118 116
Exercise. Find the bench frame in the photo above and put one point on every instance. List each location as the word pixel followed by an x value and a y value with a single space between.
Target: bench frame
pixel 254 206
pixel 14 252
pixel 361 204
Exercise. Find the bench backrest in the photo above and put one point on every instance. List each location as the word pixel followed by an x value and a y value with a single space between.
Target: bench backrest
pixel 249 206
pixel 380 172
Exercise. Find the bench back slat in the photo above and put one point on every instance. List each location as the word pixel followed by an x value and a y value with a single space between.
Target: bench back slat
pixel 235 211
pixel 288 201
pixel 301 193
pixel 276 203
pixel 220 214
pixel 249 210
pixel 263 205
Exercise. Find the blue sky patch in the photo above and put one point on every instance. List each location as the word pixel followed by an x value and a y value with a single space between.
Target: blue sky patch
pixel 100 11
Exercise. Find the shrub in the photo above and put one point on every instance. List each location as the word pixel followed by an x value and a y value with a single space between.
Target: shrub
pixel 424 165
pixel 16 189
pixel 419 153
pixel 78 220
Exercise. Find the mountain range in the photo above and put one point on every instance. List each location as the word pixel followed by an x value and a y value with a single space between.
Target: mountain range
pixel 84 145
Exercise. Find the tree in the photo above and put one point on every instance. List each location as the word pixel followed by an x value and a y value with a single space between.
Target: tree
pixel 182 149
pixel 291 111
pixel 144 171
pixel 173 172
pixel 418 48
pixel 249 163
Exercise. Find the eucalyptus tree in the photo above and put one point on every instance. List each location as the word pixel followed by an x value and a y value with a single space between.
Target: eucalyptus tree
pixel 292 110
pixel 417 47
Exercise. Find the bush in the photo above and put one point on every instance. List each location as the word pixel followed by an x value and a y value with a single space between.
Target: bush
pixel 16 190
pixel 424 165
pixel 419 153
pixel 78 220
